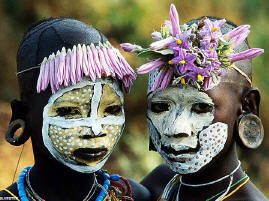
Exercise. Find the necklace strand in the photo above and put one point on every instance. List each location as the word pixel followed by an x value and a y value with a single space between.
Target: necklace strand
pixel 212 182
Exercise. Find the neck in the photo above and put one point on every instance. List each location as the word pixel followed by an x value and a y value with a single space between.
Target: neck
pixel 54 181
pixel 221 167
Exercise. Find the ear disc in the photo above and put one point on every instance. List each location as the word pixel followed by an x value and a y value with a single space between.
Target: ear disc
pixel 250 130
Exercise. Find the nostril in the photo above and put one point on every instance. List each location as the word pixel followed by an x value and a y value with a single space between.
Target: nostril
pixel 178 135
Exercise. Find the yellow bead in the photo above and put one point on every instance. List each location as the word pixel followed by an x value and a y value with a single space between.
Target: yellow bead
pixel 200 77
pixel 182 62
pixel 170 62
pixel 214 29
pixel 182 81
pixel 179 42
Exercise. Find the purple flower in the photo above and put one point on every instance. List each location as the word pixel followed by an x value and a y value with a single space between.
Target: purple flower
pixel 247 54
pixel 174 20
pixel 211 29
pixel 145 68
pixel 158 79
pixel 211 60
pixel 128 47
pixel 182 41
pixel 198 74
pixel 184 60
pixel 156 35
pixel 161 43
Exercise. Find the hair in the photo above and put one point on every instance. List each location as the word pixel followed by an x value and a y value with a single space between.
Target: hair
pixel 45 37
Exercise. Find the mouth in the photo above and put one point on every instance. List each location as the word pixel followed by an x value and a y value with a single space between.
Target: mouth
pixel 90 154
pixel 182 155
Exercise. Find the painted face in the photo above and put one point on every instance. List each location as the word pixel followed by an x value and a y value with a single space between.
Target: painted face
pixel 180 123
pixel 82 123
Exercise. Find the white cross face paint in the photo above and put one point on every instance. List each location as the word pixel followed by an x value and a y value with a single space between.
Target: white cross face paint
pixel 83 123
pixel 180 124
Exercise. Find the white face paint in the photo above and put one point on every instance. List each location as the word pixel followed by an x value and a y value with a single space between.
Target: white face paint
pixel 83 123
pixel 180 123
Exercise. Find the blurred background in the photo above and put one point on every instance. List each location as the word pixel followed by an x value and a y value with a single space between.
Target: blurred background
pixel 129 21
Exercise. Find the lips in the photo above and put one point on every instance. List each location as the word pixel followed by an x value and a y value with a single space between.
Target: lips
pixel 90 154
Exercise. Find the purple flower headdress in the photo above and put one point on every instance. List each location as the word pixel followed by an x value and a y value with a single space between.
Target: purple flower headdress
pixel 195 55
pixel 94 61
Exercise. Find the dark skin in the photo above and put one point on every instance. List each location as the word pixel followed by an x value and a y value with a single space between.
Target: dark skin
pixel 244 99
pixel 50 179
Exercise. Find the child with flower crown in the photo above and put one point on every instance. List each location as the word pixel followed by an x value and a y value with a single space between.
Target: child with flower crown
pixel 201 103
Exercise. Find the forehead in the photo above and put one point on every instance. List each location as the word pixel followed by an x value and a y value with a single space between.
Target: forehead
pixel 180 94
pixel 105 89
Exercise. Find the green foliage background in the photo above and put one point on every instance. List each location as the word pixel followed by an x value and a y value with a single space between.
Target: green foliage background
pixel 133 21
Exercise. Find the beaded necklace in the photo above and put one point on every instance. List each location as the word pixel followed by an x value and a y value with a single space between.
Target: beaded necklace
pixel 172 189
pixel 111 189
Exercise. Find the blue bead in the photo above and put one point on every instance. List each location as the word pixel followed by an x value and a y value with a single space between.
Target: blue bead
pixel 107 182
pixel 115 177
pixel 102 194
pixel 20 187
pixel 99 199
pixel 105 186
pixel 106 176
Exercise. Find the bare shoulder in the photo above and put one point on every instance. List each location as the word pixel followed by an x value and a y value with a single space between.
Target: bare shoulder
pixel 139 192
pixel 249 192
pixel 156 180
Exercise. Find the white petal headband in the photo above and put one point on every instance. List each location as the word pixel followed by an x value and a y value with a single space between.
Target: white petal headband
pixel 94 61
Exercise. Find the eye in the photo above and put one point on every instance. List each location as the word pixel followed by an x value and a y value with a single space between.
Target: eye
pixel 159 107
pixel 67 111
pixel 201 108
pixel 113 110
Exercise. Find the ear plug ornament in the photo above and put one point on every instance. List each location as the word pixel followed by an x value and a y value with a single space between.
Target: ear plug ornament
pixel 12 128
pixel 250 130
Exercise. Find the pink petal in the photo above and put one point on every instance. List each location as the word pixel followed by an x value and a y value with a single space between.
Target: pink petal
pixel 109 63
pixel 67 74
pixel 161 43
pixel 92 70
pixel 237 31
pixel 85 62
pixel 52 72
pixel 114 60
pixel 158 80
pixel 96 62
pixel 79 68
pixel 147 67
pixel 40 77
pixel 73 65
pixel 167 78
pixel 247 54
pixel 239 39
pixel 46 76
pixel 174 20
pixel 104 66
pixel 57 64
pixel 60 73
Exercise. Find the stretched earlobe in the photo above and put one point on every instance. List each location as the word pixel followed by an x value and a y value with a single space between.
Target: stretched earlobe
pixel 250 131
pixel 18 120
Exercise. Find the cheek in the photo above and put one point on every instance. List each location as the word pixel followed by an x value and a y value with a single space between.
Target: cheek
pixel 112 132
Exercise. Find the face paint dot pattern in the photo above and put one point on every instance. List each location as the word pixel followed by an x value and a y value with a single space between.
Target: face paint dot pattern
pixel 66 141
pixel 212 141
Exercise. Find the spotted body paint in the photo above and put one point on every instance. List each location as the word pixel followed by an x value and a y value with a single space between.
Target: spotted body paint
pixel 180 123
pixel 82 123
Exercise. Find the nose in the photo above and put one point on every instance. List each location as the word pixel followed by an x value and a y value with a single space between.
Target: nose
pixel 180 126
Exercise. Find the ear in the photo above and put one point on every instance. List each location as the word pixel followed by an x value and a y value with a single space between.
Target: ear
pixel 18 120
pixel 251 101
pixel 250 131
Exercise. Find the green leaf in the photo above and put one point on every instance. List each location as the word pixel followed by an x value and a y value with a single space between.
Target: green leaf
pixel 165 51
